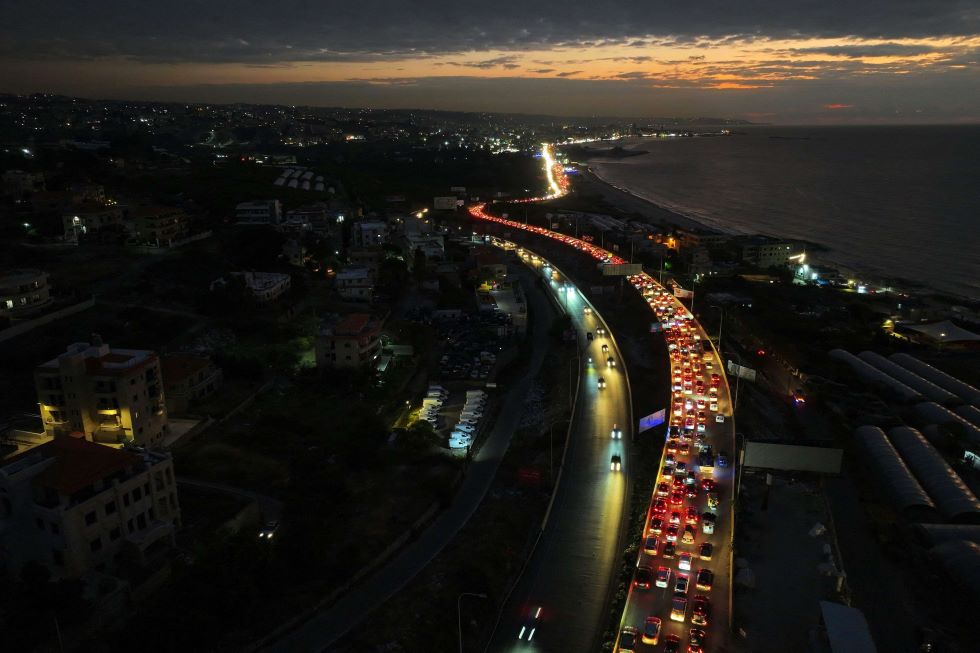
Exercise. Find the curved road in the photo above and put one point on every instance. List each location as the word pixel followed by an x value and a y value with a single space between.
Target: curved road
pixel 568 575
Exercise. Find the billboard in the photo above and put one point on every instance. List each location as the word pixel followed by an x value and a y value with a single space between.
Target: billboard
pixel 621 269
pixel 746 373
pixel 792 457
pixel 444 203
pixel 651 420
pixel 680 293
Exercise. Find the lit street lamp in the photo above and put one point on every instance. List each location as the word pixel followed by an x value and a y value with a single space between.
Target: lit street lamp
pixel 459 620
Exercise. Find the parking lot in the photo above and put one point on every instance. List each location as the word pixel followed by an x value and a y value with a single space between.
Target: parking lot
pixel 472 343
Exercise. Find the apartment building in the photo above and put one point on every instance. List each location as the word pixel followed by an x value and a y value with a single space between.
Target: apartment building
pixel 265 286
pixel 23 292
pixel 88 220
pixel 353 341
pixel 259 212
pixel 766 253
pixel 160 226
pixel 112 396
pixel 76 506
pixel 355 282
pixel 369 233
pixel 188 378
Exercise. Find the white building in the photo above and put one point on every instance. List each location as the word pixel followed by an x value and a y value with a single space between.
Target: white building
pixel 112 396
pixel 259 212
pixel 369 233
pixel 76 506
pixel 266 286
pixel 355 282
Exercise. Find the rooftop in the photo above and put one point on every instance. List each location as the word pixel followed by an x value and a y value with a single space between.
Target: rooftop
pixel 79 463
pixel 177 367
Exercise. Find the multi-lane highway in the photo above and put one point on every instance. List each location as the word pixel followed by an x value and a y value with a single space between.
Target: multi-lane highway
pixel 686 548
pixel 701 430
pixel 558 602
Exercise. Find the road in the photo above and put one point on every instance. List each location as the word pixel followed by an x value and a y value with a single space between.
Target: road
pixel 326 626
pixel 643 603
pixel 569 572
pixel 656 601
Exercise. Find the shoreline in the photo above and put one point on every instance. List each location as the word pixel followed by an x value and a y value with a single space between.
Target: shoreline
pixel 626 201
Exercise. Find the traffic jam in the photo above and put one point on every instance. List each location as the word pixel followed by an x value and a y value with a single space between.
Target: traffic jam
pixel 672 595
pixel 670 600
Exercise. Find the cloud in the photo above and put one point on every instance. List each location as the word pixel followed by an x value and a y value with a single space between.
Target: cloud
pixel 542 71
pixel 506 61
pixel 857 51
pixel 569 73
pixel 836 106
pixel 381 30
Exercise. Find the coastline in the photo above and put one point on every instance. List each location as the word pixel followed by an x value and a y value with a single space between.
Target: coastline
pixel 627 201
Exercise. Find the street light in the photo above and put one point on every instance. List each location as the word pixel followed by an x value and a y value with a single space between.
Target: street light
pixel 459 620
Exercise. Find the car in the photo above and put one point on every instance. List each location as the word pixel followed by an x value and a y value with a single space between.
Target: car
pixel 672 533
pixel 688 536
pixel 663 489
pixel 677 498
pixel 601 383
pixel 616 433
pixel 660 507
pixel 695 640
pixel 681 583
pixel 708 484
pixel 672 644
pixel 723 459
pixel 589 362
pixel 675 517
pixel 600 331
pixel 691 515
pixel 627 639
pixel 705 551
pixel 705 579
pixel 465 428
pixel 684 561
pixel 672 446
pixel 681 468
pixel 588 335
pixel 651 630
pixel 692 478
pixel 530 624
pixel 798 397
pixel 667 471
pixel 656 526
pixel 650 545
pixel 269 531
pixel 605 348
pixel 708 523
pixel 691 491
pixel 684 448
pixel 670 550
pixel 678 609
pixel 642 578
pixel 610 362
pixel 587 310
pixel 663 576
pixel 615 463
pixel 669 459
pixel 700 611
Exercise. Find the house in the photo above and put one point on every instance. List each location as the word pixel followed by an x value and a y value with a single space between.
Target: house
pixel 76 507
pixel 355 282
pixel 188 378
pixel 353 341
pixel 112 396
pixel 258 212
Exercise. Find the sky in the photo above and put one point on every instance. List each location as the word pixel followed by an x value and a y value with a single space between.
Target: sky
pixel 784 62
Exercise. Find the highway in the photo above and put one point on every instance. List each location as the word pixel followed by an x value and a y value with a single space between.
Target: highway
pixel 693 359
pixel 558 602
pixel 691 354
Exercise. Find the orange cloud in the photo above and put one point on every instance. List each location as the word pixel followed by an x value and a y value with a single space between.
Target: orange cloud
pixel 838 106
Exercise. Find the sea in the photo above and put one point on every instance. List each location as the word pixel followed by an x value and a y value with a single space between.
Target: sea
pixel 896 204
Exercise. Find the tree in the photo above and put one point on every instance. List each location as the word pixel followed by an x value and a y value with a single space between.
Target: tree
pixel 420 264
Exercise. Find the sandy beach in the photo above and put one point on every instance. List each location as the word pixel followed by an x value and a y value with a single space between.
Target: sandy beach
pixel 589 182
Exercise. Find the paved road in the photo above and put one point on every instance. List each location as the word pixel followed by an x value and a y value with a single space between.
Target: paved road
pixel 568 575
pixel 655 601
pixel 327 626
